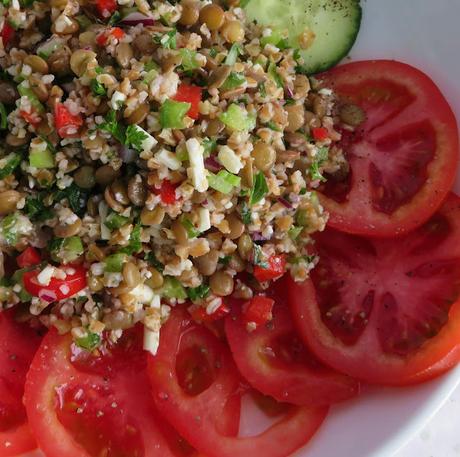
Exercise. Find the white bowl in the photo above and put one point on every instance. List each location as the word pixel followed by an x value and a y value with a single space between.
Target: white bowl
pixel 381 421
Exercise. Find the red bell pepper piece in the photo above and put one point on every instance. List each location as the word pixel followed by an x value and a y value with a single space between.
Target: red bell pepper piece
pixel 106 8
pixel 190 94
pixel 258 311
pixel 67 124
pixel 7 33
pixel 29 257
pixel 275 269
pixel 320 133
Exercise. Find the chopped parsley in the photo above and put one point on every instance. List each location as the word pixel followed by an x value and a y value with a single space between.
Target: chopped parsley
pixel 36 211
pixel 116 17
pixel 134 137
pixel 259 258
pixel 225 260
pixel 135 244
pixel 198 293
pixel 259 189
pixel 76 196
pixel 111 125
pixel 151 258
pixel 97 88
pixel 315 172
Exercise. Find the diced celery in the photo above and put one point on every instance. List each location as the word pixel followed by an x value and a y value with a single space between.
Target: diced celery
pixel 238 119
pixel 66 250
pixel 233 81
pixel 114 263
pixel 172 114
pixel 188 59
pixel 172 288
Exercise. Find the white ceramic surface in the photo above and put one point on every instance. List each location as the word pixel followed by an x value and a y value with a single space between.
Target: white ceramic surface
pixel 381 421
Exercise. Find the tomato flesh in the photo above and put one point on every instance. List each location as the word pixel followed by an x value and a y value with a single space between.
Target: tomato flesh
pixel 167 192
pixel 274 360
pixel 402 158
pixel 385 311
pixel 198 417
pixel 67 124
pixel 7 33
pixel 275 269
pixel 17 348
pixel 29 257
pixel 81 404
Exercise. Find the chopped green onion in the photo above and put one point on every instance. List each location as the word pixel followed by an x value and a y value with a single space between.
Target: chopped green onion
pixel 135 243
pixel 189 61
pixel 9 163
pixel 294 232
pixel 172 114
pixel 168 40
pixel 33 99
pixel 259 189
pixel 172 288
pixel 191 230
pixel 89 342
pixel 301 217
pixel 198 293
pixel 274 75
pixel 224 181
pixel 238 119
pixel 233 54
pixel 114 263
pixel 233 81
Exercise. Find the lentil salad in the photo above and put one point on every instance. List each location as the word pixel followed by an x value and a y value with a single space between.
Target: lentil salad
pixel 151 158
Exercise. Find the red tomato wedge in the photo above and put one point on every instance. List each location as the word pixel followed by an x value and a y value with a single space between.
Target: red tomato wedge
pixel 81 405
pixel 194 408
pixel 275 362
pixel 403 158
pixel 385 311
pixel 18 344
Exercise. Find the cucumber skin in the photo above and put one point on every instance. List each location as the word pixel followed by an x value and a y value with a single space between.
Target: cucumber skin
pixel 323 65
pixel 320 68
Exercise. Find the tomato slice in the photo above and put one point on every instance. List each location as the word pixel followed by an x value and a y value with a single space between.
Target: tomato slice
pixel 190 94
pixel 194 404
pixel 385 310
pixel 403 158
pixel 17 348
pixel 84 405
pixel 57 289
pixel 274 361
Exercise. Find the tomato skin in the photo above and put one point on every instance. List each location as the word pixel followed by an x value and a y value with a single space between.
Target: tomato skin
pixel 190 94
pixel 419 270
pixel 29 257
pixel 17 348
pixel 258 311
pixel 32 117
pixel 403 157
pixel 196 417
pixel 106 8
pixel 67 124
pixel 199 313
pixel 274 361
pixel 7 33
pixel 57 289
pixel 103 381
pixel 276 268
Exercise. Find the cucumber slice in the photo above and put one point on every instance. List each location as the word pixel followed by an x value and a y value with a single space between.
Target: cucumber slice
pixel 334 26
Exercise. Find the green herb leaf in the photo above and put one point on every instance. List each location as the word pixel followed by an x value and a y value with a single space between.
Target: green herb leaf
pixel 8 229
pixel 224 181
pixel 3 117
pixel 232 56
pixel 225 260
pixel 135 136
pixel 36 211
pixel 321 157
pixel 76 196
pixel 259 189
pixel 97 88
pixel 89 342
pixel 213 52
pixel 198 293
pixel 151 258
pixel 261 89
pixel 112 126
pixel 116 17
pixel 135 244
pixel 191 230
pixel 244 3
pixel 209 146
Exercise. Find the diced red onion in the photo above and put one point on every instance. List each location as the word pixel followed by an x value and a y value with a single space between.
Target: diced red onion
pixel 257 236
pixel 212 164
pixel 136 18
pixel 47 295
pixel 127 155
pixel 285 203
pixel 289 92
